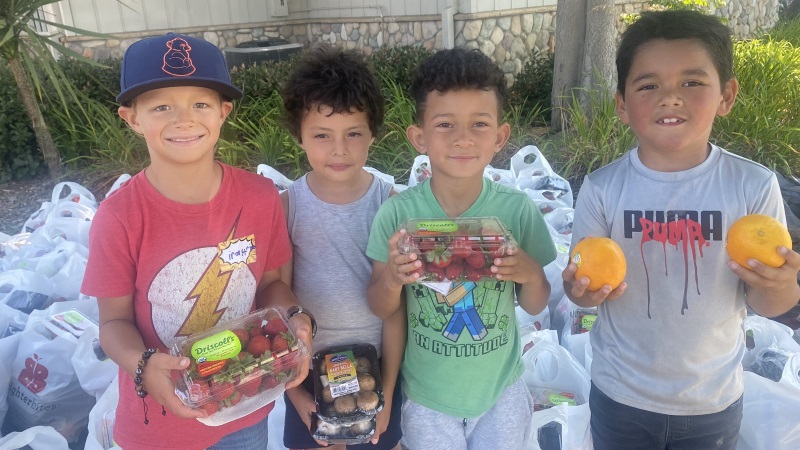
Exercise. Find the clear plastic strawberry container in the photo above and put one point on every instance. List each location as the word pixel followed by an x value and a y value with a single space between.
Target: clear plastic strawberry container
pixel 347 384
pixel 456 250
pixel 240 366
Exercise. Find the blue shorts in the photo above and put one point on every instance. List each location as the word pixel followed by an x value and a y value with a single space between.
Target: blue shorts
pixel 296 435
pixel 621 427
pixel 254 436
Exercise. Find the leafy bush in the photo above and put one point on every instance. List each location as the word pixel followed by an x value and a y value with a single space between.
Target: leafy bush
pixel 788 31
pixel 764 124
pixel 533 86
pixel 398 64
pixel 262 79
pixel 19 154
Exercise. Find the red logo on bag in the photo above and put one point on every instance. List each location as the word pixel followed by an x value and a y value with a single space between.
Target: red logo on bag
pixel 34 374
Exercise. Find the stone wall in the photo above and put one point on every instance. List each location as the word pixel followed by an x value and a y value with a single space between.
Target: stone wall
pixel 509 37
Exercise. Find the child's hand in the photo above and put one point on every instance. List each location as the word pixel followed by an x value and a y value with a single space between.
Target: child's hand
pixel 576 289
pixel 382 420
pixel 302 330
pixel 399 267
pixel 157 381
pixel 516 266
pixel 771 291
pixel 306 407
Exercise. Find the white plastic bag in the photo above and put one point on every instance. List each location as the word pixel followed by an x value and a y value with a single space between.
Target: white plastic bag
pixel 8 351
pixel 550 366
pixel 44 389
pixel 12 321
pixel 36 438
pixel 37 218
pixel 70 221
pixel 761 333
pixel 102 418
pixel 540 321
pixel 770 415
pixel 500 176
pixel 420 170
pixel 25 290
pixel 536 177
pixel 95 370
pixel 121 179
pixel 73 192
pixel 281 182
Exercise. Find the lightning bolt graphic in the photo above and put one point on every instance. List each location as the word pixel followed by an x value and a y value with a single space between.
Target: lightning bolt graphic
pixel 207 294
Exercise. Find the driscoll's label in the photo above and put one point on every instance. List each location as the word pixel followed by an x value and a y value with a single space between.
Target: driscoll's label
pixel 218 347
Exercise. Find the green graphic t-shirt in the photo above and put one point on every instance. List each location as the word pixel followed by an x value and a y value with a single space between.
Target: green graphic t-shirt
pixel 460 358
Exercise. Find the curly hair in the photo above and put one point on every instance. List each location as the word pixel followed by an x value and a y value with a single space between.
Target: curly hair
pixel 709 31
pixel 456 69
pixel 333 77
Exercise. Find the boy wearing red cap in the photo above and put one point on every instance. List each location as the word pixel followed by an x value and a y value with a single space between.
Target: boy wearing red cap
pixel 157 263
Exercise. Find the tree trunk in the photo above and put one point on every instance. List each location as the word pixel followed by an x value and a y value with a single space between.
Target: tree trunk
pixel 586 32
pixel 568 58
pixel 599 54
pixel 43 137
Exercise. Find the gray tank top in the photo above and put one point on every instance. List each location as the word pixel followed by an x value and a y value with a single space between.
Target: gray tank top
pixel 331 268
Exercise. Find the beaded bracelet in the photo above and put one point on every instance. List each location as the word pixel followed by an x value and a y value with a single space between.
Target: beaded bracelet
pixel 137 381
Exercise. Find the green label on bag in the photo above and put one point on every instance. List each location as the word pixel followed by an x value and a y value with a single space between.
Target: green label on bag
pixel 438 226
pixel 558 399
pixel 220 346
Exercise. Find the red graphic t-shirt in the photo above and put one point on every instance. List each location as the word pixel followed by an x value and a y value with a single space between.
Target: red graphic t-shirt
pixel 189 267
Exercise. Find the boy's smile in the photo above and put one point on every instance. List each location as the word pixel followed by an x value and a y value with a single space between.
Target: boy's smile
pixel 180 124
pixel 672 96
pixel 460 132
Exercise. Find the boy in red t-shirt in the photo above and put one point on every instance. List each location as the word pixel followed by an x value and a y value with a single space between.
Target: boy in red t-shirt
pixel 157 265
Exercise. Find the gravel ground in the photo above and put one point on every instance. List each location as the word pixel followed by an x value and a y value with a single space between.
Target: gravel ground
pixel 19 199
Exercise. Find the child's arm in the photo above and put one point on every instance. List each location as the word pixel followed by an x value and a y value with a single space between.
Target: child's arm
pixel 123 343
pixel 273 290
pixel 394 344
pixel 386 285
pixel 531 284
pixel 771 291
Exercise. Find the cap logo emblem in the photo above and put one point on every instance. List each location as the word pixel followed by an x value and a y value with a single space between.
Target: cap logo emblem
pixel 177 61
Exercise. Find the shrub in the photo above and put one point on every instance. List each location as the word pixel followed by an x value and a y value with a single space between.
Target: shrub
pixel 764 124
pixel 788 30
pixel 19 154
pixel 262 79
pixel 533 86
pixel 398 64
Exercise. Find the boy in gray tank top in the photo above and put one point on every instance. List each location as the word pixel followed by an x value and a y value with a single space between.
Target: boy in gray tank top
pixel 334 109
pixel 667 344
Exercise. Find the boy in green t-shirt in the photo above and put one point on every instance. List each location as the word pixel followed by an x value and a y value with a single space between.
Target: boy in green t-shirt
pixel 462 366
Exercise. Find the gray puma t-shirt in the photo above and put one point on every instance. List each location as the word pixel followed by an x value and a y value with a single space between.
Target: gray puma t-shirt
pixel 673 343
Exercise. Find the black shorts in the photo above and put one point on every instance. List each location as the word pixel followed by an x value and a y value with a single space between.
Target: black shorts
pixel 296 435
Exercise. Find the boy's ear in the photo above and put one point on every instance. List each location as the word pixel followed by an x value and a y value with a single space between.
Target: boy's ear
pixel 503 133
pixel 227 107
pixel 729 93
pixel 619 105
pixel 128 114
pixel 417 137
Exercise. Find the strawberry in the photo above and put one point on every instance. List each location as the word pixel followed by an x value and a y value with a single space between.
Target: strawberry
pixel 460 248
pixel 282 342
pixel 243 335
pixel 258 345
pixel 250 386
pixel 419 270
pixel 435 273
pixel 234 399
pixel 273 327
pixel 439 257
pixel 222 388
pixel 476 260
pixel 269 382
pixel 426 244
pixel 254 329
pixel 474 274
pixel 453 271
pixel 210 407
pixel 199 390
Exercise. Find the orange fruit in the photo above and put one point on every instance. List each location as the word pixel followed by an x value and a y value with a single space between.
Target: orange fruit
pixel 757 236
pixel 600 259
